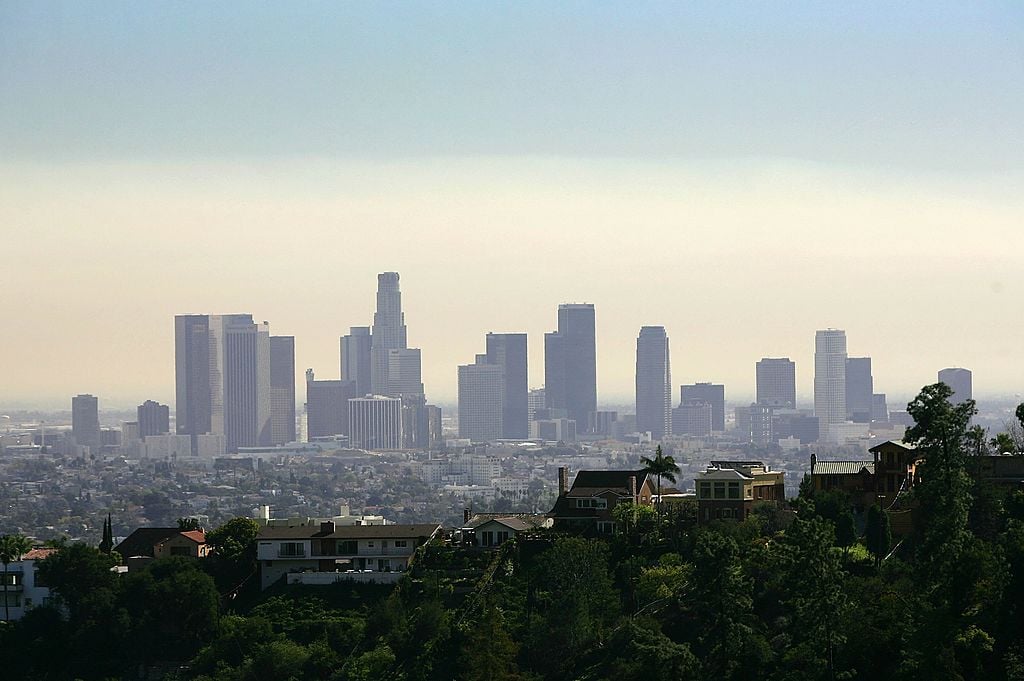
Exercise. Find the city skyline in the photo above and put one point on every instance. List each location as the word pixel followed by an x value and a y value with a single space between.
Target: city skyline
pixel 809 166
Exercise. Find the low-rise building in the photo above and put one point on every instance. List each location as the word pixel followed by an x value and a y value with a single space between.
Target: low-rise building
pixel 148 543
pixel 494 529
pixel 855 477
pixel 24 590
pixel 587 506
pixel 729 489
pixel 327 553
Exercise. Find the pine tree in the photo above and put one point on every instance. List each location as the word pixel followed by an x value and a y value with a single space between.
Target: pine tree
pixel 107 544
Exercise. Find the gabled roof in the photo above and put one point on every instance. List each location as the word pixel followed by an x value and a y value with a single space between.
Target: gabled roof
pixel 515 521
pixel 897 443
pixel 198 536
pixel 842 467
pixel 350 532
pixel 141 541
pixel 607 480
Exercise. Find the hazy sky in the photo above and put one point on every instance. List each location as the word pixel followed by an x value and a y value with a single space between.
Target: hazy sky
pixel 741 173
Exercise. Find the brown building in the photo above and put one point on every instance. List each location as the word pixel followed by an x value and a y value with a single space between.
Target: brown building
pixel 147 543
pixel 729 489
pixel 895 470
pixel 855 477
pixel 587 506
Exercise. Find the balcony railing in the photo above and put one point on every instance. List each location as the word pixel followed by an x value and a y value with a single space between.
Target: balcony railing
pixel 291 553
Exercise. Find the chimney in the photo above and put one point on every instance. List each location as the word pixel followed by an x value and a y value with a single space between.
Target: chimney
pixel 814 460
pixel 327 527
pixel 563 480
pixel 632 487
pixel 467 513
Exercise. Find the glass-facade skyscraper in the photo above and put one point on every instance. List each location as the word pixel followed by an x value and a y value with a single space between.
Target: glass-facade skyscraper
pixel 653 382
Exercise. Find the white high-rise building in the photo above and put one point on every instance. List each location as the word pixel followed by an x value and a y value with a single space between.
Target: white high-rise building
pixel 375 422
pixel 830 377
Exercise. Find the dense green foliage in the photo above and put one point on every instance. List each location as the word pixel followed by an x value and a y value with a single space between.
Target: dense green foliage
pixel 821 591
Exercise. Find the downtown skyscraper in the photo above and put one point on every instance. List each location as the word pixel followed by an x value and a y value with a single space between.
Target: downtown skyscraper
pixel 653 383
pixel 859 389
pixel 493 392
pixel 776 382
pixel 388 332
pixel 570 363
pixel 356 353
pixel 830 377
pixel 509 351
pixel 223 379
pixel 961 381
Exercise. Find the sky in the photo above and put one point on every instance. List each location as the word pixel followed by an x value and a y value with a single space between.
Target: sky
pixel 743 173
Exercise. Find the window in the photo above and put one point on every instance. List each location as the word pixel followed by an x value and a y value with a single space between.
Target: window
pixel 401 543
pixel 734 490
pixel 726 513
pixel 370 544
pixel 705 490
pixel 291 549
pixel 720 490
pixel 593 502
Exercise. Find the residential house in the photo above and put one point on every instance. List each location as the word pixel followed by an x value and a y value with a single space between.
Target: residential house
pixel 729 489
pixel 588 506
pixel 148 543
pixel 24 588
pixel 855 477
pixel 328 553
pixel 494 529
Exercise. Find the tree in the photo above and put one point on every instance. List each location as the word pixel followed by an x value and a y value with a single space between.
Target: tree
pixel 489 652
pixel 107 543
pixel 1003 443
pixel 976 443
pixel 12 548
pixel 78 574
pixel 660 466
pixel 878 533
pixel 234 540
pixel 846 530
pixel 944 493
pixel 189 524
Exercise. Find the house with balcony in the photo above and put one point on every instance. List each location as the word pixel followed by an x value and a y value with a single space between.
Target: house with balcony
pixel 729 489
pixel 328 553
pixel 855 477
pixel 587 506
pixel 24 588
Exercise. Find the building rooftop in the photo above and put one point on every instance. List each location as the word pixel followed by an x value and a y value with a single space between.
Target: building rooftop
pixel 349 532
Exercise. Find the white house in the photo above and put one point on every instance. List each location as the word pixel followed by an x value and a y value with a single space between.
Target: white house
pixel 327 553
pixel 23 589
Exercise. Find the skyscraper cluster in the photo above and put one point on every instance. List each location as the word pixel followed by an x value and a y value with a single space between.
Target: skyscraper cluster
pixel 233 379
pixel 379 402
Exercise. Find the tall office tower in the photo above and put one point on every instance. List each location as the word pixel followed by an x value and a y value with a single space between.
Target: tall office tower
pixel 713 394
pixel 960 380
pixel 404 372
pixel 830 377
pixel 481 400
pixel 388 331
pixel 153 419
pixel 570 362
pixel 776 382
pixel 693 418
pixel 879 408
pixel 327 406
pixel 282 389
pixel 192 376
pixel 509 351
pixel 653 383
pixel 246 384
pixel 85 420
pixel 536 400
pixel 859 388
pixel 375 422
pixel 355 358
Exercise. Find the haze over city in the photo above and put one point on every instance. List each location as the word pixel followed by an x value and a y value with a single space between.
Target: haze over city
pixel 851 172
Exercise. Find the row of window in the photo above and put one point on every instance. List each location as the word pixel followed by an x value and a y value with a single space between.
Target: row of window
pixel 593 502
pixel 343 547
pixel 719 490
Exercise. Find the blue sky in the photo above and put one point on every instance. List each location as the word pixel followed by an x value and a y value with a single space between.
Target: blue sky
pixel 934 86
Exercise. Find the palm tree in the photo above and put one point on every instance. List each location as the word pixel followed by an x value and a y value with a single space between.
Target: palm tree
pixel 660 466
pixel 12 548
